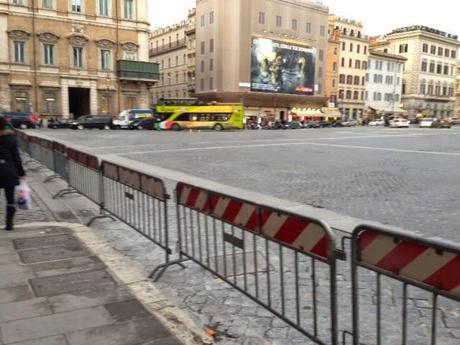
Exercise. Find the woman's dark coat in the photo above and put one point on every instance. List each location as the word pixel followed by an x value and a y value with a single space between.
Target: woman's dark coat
pixel 10 162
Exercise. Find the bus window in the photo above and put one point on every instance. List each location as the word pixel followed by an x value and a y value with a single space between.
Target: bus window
pixel 183 117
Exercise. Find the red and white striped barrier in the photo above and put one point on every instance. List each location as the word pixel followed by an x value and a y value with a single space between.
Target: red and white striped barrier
pixel 304 234
pixel 428 264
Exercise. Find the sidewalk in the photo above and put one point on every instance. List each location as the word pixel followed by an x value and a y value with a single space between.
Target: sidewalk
pixel 55 291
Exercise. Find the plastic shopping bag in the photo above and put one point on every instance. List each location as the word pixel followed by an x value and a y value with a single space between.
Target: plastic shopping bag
pixel 23 196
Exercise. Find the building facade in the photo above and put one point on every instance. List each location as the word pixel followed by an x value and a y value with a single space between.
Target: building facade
pixel 457 107
pixel 74 57
pixel 383 83
pixel 269 55
pixel 429 79
pixel 354 51
pixel 332 66
pixel 169 48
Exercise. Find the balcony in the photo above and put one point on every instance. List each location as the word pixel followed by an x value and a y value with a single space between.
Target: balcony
pixel 138 70
pixel 168 47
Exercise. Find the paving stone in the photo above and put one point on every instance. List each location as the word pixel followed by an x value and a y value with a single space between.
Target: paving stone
pixel 90 298
pixel 52 253
pixel 14 294
pixel 9 259
pixel 46 241
pixel 126 310
pixel 6 247
pixel 55 340
pixel 11 269
pixel 24 309
pixel 65 283
pixel 130 332
pixel 45 326
pixel 73 265
pixel 16 279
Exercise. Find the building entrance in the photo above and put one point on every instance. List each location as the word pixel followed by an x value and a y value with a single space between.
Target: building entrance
pixel 78 102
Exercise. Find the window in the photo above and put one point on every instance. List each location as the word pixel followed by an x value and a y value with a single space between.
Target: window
pixel 48 4
pixel 422 88
pixel 433 49
pixel 335 51
pixel 348 94
pixel 211 45
pixel 342 79
pixel 48 54
pixel 389 80
pixel 334 67
pixel 357 64
pixel 18 2
pixel 262 18
pixel 78 57
pixel 320 72
pixel 453 54
pixel 130 56
pixel 105 59
pixel 425 48
pixel 202 21
pixel 201 84
pixel 356 80
pixel 440 51
pixel 350 63
pixel 358 49
pixel 202 66
pixel 279 22
pixel 19 56
pixel 104 8
pixel 439 69
pixel 76 6
pixel 351 47
pixel 432 67
pixel 424 66
pixel 365 50
pixel 365 65
pixel 340 94
pixel 128 9
pixel 356 95
pixel 363 81
pixel 308 29
pixel 294 24
pixel 343 62
pixel 322 30
pixel 202 48
pixel 349 80
pixel 367 76
pixel 211 83
pixel 177 61
pixel 211 64
pixel 403 48
pixel 211 17
pixel 446 70
pixel 321 55
pixel 446 53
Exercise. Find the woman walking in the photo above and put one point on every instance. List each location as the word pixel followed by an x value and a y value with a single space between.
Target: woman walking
pixel 11 169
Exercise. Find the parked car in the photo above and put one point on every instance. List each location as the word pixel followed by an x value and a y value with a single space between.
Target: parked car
pixel 89 121
pixel 379 122
pixel 295 125
pixel 426 122
pixel 350 123
pixel 399 123
pixel 143 124
pixel 64 123
pixel 441 123
pixel 19 119
pixel 454 121
pixel 325 124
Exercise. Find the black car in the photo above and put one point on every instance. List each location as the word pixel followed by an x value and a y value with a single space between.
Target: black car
pixel 148 123
pixel 18 119
pixel 89 122
pixel 60 124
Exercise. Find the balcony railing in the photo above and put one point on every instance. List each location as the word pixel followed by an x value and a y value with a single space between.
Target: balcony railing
pixel 168 47
pixel 138 70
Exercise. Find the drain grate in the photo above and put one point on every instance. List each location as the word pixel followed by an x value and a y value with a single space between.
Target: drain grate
pixel 52 254
pixel 45 241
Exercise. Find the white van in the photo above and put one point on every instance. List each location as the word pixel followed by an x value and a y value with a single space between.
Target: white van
pixel 126 117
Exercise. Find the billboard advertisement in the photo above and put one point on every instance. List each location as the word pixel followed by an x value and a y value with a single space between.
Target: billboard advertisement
pixel 282 68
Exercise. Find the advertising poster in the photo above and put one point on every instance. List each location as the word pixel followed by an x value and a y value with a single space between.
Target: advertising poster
pixel 282 68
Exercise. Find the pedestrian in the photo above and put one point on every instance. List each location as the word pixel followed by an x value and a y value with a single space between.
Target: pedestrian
pixel 11 170
pixel 9 125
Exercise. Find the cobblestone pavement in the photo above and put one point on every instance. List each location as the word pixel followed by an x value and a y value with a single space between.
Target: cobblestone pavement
pixel 362 182
pixel 238 320
pixel 403 177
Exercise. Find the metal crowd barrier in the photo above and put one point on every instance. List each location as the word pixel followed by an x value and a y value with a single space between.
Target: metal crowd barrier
pixel 61 162
pixel 264 253
pixel 138 200
pixel 416 265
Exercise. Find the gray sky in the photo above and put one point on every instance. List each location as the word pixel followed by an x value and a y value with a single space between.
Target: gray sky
pixel 379 17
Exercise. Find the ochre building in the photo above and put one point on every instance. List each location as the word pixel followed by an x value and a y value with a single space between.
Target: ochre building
pixel 67 58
